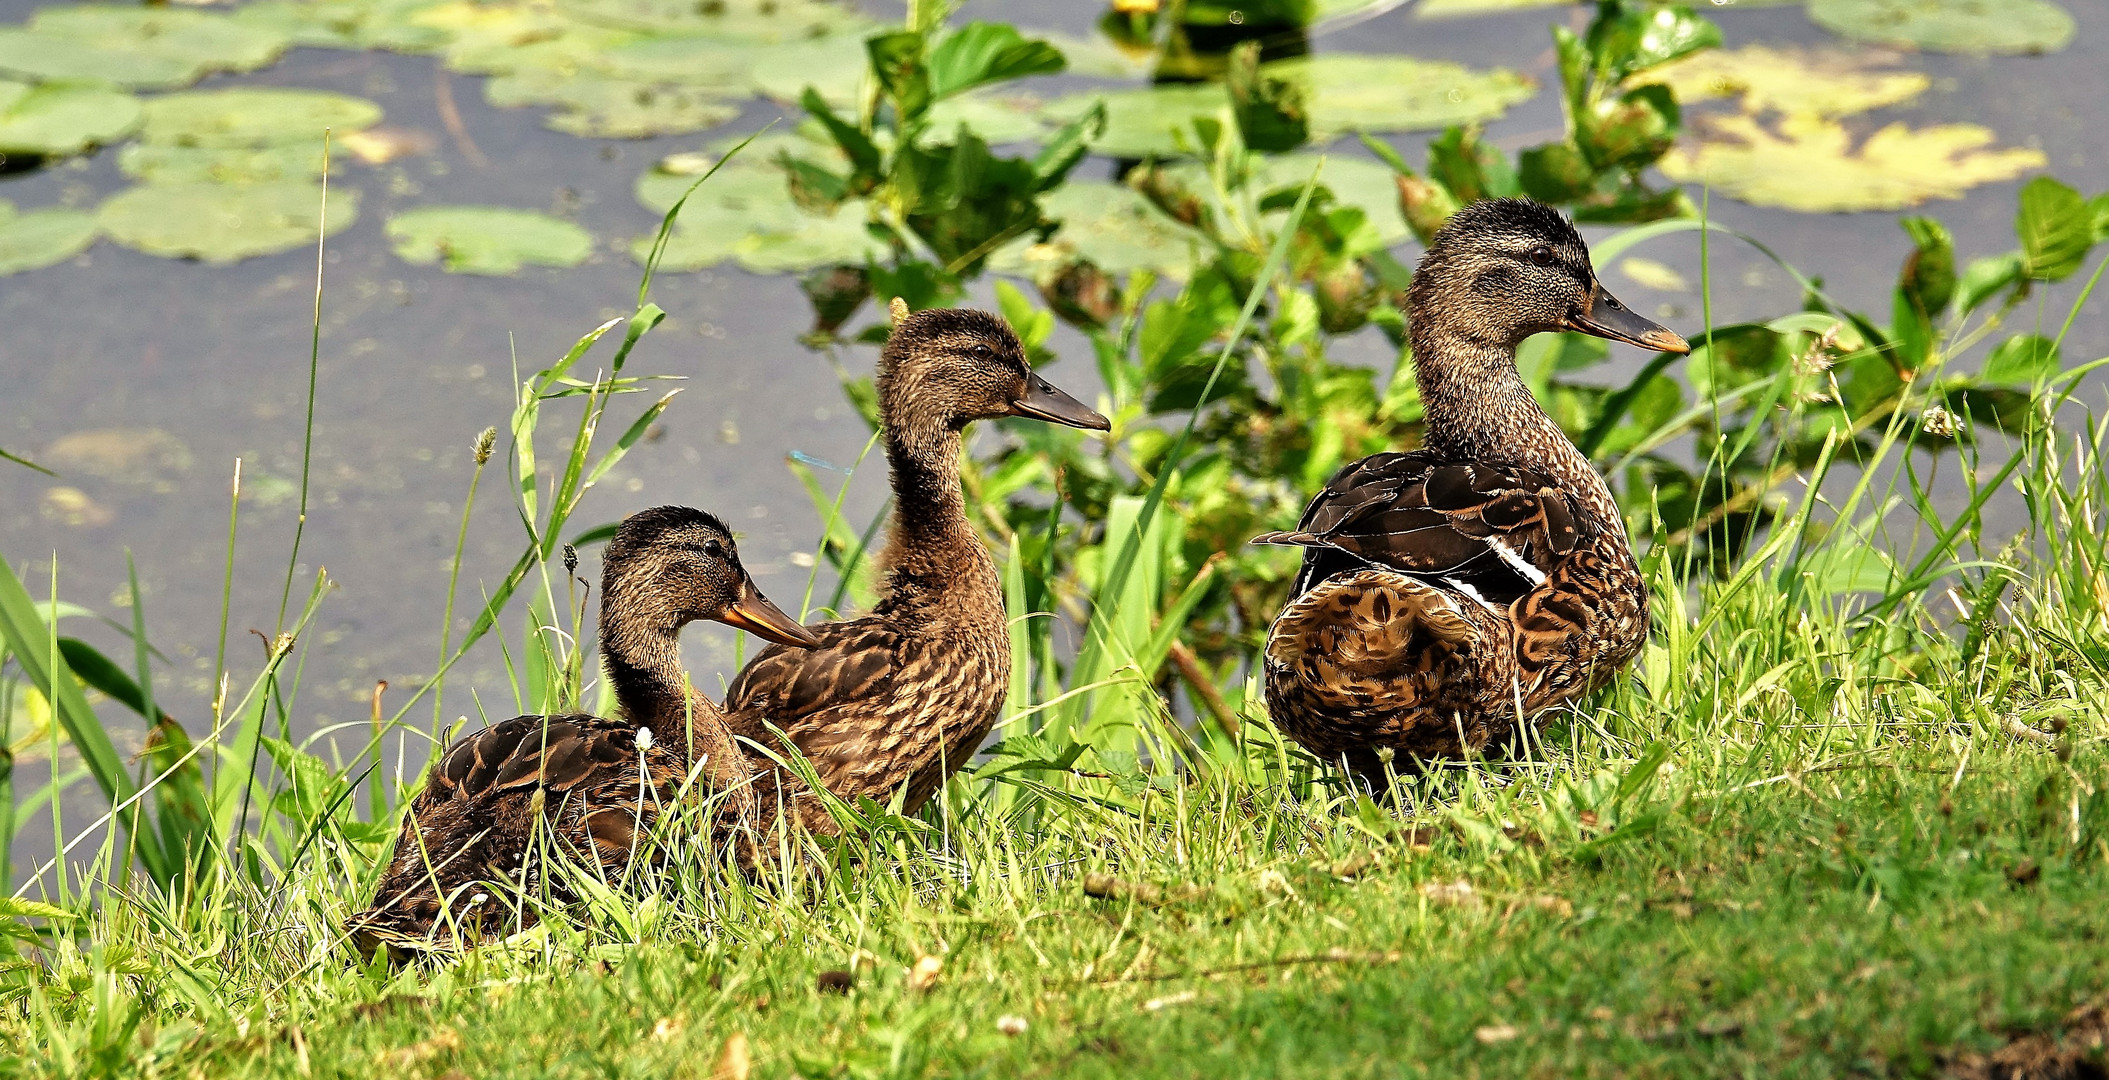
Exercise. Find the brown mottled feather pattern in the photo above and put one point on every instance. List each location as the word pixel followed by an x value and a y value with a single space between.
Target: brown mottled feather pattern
pixel 1449 593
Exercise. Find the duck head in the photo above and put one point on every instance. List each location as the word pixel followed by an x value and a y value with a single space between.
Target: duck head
pixel 944 368
pixel 669 566
pixel 1505 269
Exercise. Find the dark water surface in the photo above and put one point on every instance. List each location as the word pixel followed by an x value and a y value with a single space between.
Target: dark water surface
pixel 415 361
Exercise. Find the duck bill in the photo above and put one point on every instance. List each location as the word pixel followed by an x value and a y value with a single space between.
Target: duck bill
pixel 1044 401
pixel 755 614
pixel 1607 318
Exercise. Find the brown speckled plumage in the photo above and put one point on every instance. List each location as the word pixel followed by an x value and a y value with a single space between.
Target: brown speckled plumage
pixel 598 784
pixel 905 694
pixel 1450 593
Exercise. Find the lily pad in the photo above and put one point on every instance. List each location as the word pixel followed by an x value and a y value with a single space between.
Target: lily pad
pixel 57 119
pixel 570 50
pixel 253 116
pixel 744 214
pixel 1353 92
pixel 1357 182
pixel 1443 9
pixel 347 24
pixel 244 165
pixel 997 118
pixel 1147 121
pixel 145 47
pixel 1788 80
pixel 1109 224
pixel 758 21
pixel 600 107
pixel 42 238
pixel 493 240
pixel 688 60
pixel 1958 26
pixel 1810 164
pixel 223 223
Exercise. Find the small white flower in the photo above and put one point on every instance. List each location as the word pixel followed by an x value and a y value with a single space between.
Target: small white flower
pixel 1013 1026
pixel 1940 423
pixel 644 739
pixel 479 898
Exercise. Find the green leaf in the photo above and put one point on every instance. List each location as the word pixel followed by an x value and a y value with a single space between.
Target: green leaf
pixel 750 21
pixel 897 63
pixel 2022 360
pixel 1985 276
pixel 43 238
pixel 980 53
pixel 1631 131
pixel 54 120
pixel 1349 92
pixel 1623 40
pixel 1471 169
pixel 595 106
pixel 1270 110
pixel 2056 227
pixel 223 223
pixel 254 116
pixel 144 47
pixel 1959 26
pixel 1554 172
pixel 1928 280
pixel 248 165
pixel 488 240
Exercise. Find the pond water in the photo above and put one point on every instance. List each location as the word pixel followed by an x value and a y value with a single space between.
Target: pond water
pixel 212 360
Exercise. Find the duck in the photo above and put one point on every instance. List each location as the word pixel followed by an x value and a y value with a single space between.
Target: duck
pixel 598 784
pixel 1451 593
pixel 894 702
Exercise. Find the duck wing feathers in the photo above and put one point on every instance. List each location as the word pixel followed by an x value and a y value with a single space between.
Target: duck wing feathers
pixel 1494 531
pixel 805 691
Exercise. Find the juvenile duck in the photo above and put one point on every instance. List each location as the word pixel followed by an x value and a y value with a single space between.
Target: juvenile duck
pixel 598 782
pixel 1451 592
pixel 906 693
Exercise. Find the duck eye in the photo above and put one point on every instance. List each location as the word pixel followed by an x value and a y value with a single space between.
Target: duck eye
pixel 983 352
pixel 1542 256
pixel 714 549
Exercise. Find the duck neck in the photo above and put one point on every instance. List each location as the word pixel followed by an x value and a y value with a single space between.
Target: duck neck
pixel 1477 407
pixel 641 648
pixel 932 550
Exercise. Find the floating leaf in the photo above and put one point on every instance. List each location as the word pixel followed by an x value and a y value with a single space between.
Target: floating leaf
pixel 54 120
pixel 1147 121
pixel 1811 165
pixel 1356 182
pixel 347 24
pixel 744 213
pixel 492 240
pixel 146 47
pixel 253 116
pixel 997 118
pixel 223 223
pixel 597 107
pixel 834 65
pixel 1960 26
pixel 1826 83
pixel 1649 274
pixel 1357 92
pixel 182 164
pixel 1442 9
pixel 42 238
pixel 758 21
pixel 1109 224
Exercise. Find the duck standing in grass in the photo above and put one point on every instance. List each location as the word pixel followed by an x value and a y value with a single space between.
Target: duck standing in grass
pixel 905 694
pixel 1451 592
pixel 598 784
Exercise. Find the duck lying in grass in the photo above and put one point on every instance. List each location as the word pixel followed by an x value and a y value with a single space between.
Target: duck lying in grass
pixel 905 694
pixel 595 785
pixel 1449 593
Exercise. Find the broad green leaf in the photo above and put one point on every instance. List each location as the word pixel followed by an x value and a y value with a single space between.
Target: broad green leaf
pixel 1960 26
pixel 347 24
pixel 1790 80
pixel 1809 163
pixel 687 60
pixel 15 907
pixel 57 119
pixel 145 47
pixel 597 107
pixel 490 240
pixel 1349 92
pixel 1928 280
pixel 745 214
pixel 996 118
pixel 254 116
pixel 1110 225
pixel 980 53
pixel 2056 227
pixel 1148 121
pixel 755 21
pixel 43 238
pixel 223 223
pixel 1626 39
pixel 1986 276
pixel 182 164
pixel 2022 360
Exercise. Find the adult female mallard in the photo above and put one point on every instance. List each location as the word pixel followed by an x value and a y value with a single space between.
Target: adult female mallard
pixel 1451 592
pixel 596 783
pixel 905 694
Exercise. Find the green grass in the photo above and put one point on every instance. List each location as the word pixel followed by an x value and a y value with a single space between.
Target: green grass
pixel 1849 815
